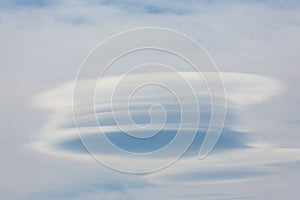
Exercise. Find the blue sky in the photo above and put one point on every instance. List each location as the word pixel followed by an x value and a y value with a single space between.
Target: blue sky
pixel 255 45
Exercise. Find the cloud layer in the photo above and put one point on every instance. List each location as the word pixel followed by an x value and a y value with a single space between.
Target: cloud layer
pixel 42 45
pixel 59 135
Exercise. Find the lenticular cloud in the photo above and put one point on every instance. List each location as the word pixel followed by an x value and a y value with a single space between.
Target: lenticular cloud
pixel 125 110
pixel 148 120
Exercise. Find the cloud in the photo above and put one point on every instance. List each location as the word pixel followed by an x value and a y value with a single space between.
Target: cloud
pixel 60 138
pixel 42 46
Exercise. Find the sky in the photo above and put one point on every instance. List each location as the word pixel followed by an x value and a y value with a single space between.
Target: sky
pixel 50 59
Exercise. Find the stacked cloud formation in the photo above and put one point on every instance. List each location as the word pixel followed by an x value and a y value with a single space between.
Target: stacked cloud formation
pixel 148 120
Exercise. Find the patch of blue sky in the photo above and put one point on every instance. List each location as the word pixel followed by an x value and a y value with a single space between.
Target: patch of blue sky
pixel 228 140
pixel 221 174
pixel 75 20
pixel 26 3
pixel 145 7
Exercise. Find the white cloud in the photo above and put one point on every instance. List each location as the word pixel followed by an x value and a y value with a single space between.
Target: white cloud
pixel 42 47
pixel 242 90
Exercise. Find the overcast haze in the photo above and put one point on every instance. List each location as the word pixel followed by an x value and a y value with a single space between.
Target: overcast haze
pixel 255 45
